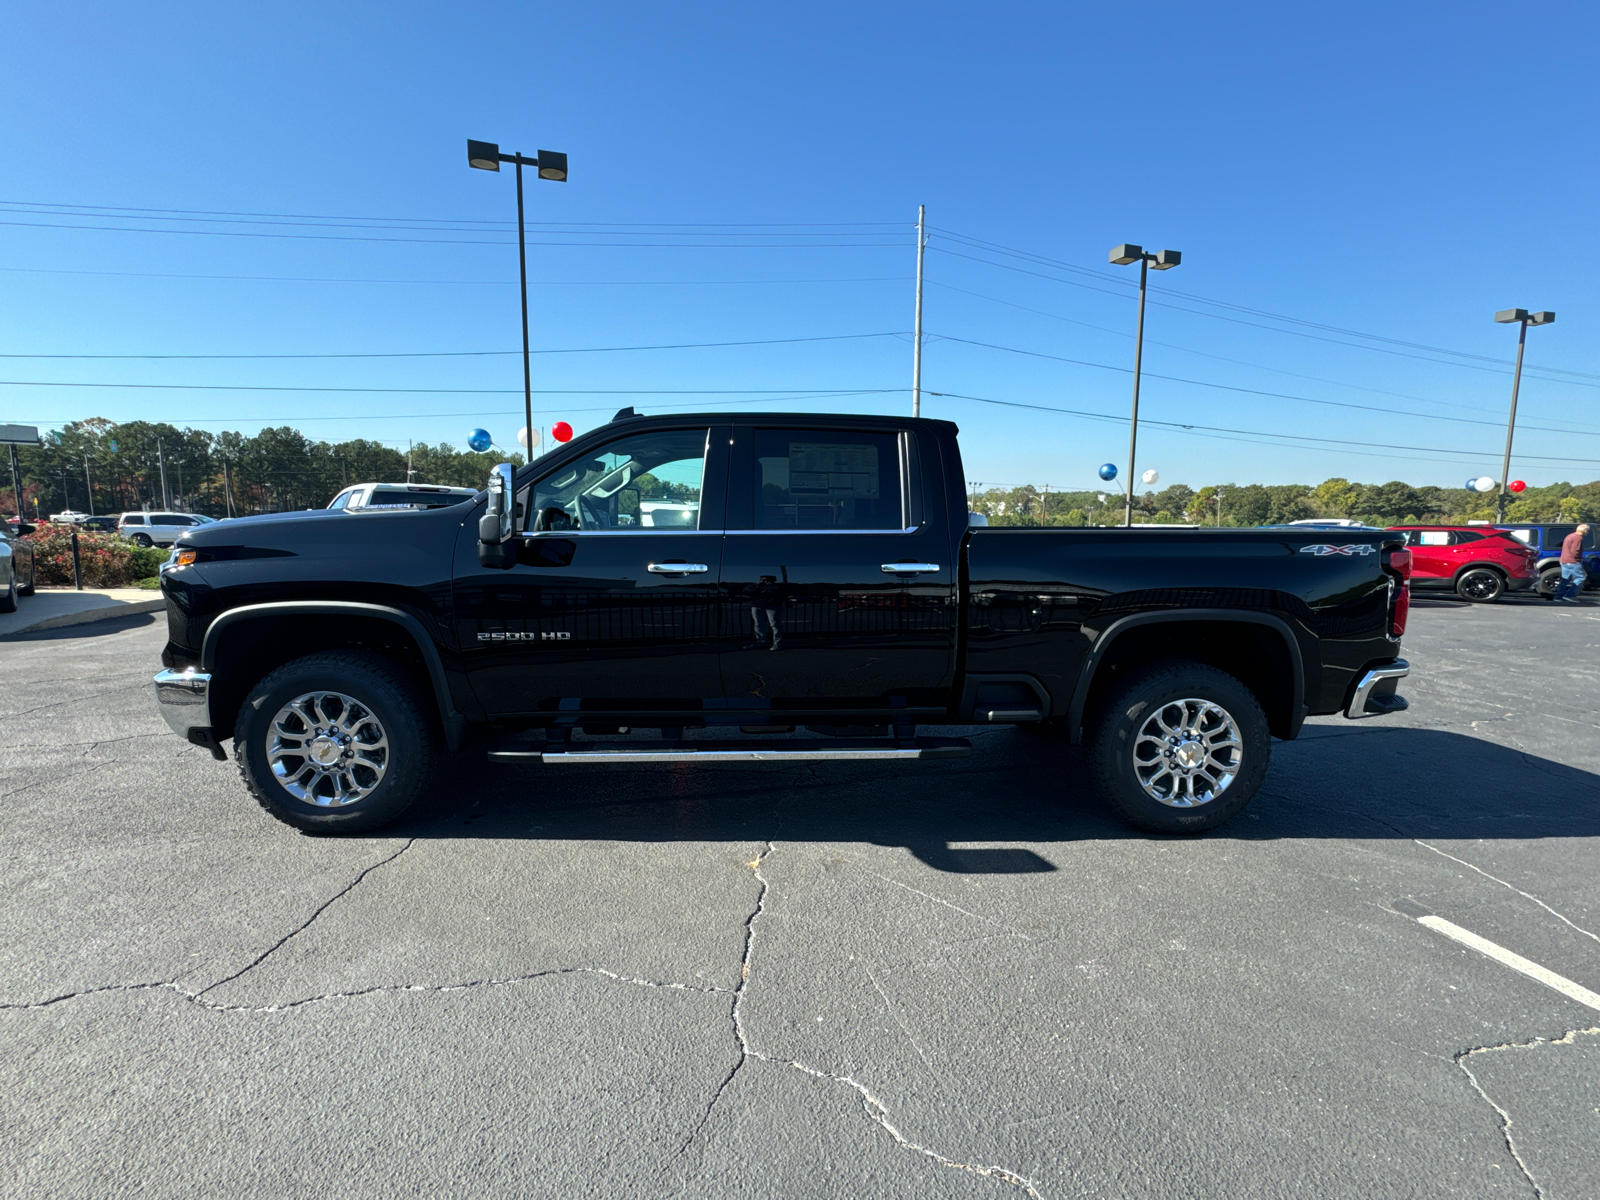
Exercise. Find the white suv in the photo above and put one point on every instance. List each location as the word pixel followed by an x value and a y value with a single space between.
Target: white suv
pixel 158 528
pixel 401 495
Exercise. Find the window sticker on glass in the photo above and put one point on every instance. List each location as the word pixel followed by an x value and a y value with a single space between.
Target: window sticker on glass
pixel 849 481
pixel 824 469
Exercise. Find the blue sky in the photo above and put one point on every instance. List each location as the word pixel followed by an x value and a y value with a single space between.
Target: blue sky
pixel 1333 176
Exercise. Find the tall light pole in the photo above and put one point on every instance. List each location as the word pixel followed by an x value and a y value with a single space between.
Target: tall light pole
pixel 1523 318
pixel 1163 260
pixel 88 484
pixel 486 156
pixel 916 344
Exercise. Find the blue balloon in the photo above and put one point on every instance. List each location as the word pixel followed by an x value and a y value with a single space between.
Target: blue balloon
pixel 480 440
pixel 1471 485
pixel 1108 472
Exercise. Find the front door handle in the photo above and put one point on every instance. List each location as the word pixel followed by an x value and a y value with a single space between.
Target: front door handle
pixel 910 568
pixel 677 568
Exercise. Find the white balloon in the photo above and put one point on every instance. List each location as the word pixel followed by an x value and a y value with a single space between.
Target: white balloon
pixel 1150 477
pixel 525 434
pixel 1483 483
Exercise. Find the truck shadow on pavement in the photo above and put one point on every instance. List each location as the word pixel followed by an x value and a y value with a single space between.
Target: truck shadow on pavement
pixel 1022 791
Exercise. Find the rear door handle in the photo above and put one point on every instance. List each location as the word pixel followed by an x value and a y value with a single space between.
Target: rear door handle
pixel 910 568
pixel 677 568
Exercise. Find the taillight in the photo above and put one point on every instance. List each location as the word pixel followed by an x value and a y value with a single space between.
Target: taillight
pixel 1400 594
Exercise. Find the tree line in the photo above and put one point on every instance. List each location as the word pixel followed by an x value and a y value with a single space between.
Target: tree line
pixel 1393 503
pixel 102 467
pixel 281 469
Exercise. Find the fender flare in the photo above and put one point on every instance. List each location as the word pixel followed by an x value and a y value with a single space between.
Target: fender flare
pixel 454 723
pixel 1091 661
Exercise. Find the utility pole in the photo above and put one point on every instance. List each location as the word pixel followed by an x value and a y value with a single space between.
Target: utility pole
pixel 88 484
pixel 916 344
pixel 227 486
pixel 410 474
pixel 16 484
pixel 1044 504
pixel 161 458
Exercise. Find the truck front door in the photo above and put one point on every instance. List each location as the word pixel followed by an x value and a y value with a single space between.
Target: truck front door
pixel 811 617
pixel 612 604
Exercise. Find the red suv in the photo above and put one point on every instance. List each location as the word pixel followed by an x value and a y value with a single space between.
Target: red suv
pixel 1476 563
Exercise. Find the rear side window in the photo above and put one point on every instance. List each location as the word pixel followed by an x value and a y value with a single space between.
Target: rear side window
pixel 1462 537
pixel 169 519
pixel 827 479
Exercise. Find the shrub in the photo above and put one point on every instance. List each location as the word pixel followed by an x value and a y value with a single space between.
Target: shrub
pixel 107 560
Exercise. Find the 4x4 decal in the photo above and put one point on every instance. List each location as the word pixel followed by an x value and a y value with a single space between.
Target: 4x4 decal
pixel 1322 549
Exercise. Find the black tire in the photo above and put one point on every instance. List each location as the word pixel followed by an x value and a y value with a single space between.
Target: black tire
pixel 142 540
pixel 381 688
pixel 1154 693
pixel 8 598
pixel 1549 580
pixel 1481 585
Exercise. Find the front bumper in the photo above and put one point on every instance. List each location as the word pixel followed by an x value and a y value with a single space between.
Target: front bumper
pixel 184 698
pixel 1375 694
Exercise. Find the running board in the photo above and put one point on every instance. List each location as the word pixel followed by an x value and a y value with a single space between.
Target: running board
pixel 748 750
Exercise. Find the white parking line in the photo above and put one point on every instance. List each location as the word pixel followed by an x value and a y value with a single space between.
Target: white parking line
pixel 1572 991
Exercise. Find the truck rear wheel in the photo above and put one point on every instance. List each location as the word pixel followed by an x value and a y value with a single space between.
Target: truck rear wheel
pixel 1179 747
pixel 335 742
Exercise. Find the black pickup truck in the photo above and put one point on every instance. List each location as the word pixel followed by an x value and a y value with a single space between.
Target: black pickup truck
pixel 778 587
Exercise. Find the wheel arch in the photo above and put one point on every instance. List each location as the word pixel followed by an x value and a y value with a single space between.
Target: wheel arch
pixel 1217 638
pixel 1481 566
pixel 240 647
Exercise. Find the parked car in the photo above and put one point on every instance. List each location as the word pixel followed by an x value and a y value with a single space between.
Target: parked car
pixel 100 524
pixel 401 495
pixel 828 576
pixel 68 516
pixel 158 528
pixel 1479 564
pixel 17 577
pixel 1546 542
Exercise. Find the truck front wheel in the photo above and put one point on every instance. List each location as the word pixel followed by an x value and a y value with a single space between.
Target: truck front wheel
pixel 335 742
pixel 1179 747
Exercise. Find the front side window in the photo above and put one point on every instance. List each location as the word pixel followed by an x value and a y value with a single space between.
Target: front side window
pixel 651 481
pixel 136 519
pixel 827 479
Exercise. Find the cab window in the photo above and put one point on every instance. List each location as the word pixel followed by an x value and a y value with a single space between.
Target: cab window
pixel 827 479
pixel 648 482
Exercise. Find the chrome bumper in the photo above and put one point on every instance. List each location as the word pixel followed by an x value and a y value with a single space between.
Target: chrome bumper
pixel 184 700
pixel 1357 707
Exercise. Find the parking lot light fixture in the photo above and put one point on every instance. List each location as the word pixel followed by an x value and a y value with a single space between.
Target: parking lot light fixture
pixel 1522 318
pixel 1163 260
pixel 551 165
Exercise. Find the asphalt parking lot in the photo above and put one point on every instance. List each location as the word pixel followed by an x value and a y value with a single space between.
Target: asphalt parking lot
pixel 963 979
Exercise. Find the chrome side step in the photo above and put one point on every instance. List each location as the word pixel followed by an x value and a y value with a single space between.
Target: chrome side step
pixel 747 750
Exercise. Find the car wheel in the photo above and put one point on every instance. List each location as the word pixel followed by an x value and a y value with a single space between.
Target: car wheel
pixel 1549 580
pixel 142 540
pixel 8 601
pixel 1179 747
pixel 1480 585
pixel 335 743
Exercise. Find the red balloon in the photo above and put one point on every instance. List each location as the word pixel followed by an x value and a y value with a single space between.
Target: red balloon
pixel 561 431
pixel 1516 485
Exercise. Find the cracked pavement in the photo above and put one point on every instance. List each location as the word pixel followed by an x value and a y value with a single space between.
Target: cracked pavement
pixel 960 979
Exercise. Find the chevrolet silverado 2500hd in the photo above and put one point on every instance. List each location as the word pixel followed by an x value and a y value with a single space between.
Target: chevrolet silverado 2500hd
pixel 729 579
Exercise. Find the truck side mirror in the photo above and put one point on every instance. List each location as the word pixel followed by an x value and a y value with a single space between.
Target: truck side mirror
pixel 496 546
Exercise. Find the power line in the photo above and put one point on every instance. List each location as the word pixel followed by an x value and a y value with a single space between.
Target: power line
pixel 1257 312
pixel 1269 328
pixel 1260 433
pixel 329 237
pixel 839 337
pixel 457 282
pixel 1226 387
pixel 203 212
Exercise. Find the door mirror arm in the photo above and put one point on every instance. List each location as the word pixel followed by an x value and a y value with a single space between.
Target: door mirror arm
pixel 497 543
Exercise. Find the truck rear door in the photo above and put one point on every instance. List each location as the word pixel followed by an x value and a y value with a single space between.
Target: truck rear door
pixel 838 582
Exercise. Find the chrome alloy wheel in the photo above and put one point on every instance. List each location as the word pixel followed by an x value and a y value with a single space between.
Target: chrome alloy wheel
pixel 1187 753
pixel 327 749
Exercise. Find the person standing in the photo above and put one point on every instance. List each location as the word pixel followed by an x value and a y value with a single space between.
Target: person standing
pixel 1572 571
